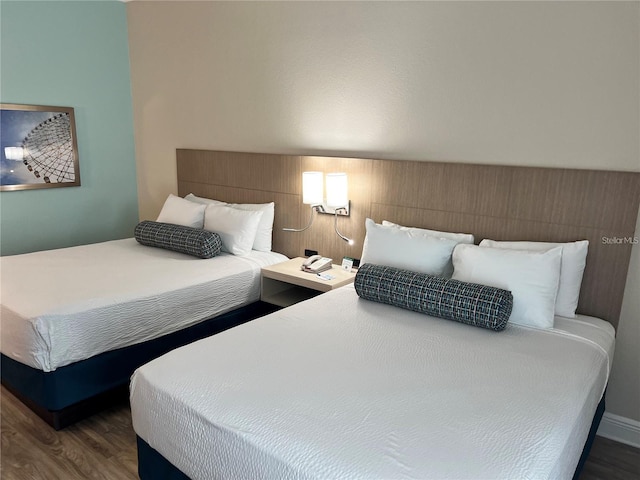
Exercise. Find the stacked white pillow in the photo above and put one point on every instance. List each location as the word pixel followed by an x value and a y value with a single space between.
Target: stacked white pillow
pixel 263 239
pixel 574 260
pixel 237 228
pixel 531 276
pixel 459 237
pixel 179 211
pixel 262 242
pixel 420 232
pixel 406 248
pixel 205 201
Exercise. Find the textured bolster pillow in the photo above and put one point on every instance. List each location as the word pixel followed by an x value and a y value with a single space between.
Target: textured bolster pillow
pixel 192 241
pixel 470 303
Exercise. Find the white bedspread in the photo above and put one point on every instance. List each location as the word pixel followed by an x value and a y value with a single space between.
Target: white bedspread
pixel 338 387
pixel 62 306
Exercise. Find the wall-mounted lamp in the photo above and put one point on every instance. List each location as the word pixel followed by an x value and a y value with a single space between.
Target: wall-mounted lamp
pixel 312 187
pixel 14 153
pixel 312 195
pixel 337 203
pixel 337 193
pixel 338 199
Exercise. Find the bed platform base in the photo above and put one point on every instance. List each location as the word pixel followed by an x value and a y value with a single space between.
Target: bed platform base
pixel 153 466
pixel 76 391
pixel 592 435
pixel 76 412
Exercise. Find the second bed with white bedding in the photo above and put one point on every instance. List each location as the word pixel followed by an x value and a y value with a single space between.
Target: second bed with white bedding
pixel 340 387
pixel 114 294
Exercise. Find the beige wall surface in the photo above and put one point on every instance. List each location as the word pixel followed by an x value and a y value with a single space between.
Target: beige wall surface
pixel 623 394
pixel 515 83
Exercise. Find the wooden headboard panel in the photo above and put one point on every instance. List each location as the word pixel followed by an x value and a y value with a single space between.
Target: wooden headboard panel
pixel 497 202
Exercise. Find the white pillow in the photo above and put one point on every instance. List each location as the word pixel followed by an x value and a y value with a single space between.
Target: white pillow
pixel 237 228
pixel 458 237
pixel 532 278
pixel 574 259
pixel 262 243
pixel 179 211
pixel 205 201
pixel 405 248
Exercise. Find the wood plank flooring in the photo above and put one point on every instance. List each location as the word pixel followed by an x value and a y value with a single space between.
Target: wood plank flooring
pixel 103 447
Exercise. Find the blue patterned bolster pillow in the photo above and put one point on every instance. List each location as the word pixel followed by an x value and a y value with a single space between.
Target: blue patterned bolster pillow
pixel 192 241
pixel 470 303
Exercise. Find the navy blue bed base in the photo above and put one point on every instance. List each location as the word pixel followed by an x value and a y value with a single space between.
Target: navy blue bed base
pixel 82 388
pixel 153 466
pixel 592 435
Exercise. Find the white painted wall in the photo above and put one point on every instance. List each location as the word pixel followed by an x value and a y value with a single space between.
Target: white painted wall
pixel 553 84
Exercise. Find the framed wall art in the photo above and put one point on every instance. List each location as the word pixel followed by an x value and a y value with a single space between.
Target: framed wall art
pixel 38 147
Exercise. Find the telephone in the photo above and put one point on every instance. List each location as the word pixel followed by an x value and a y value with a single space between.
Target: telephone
pixel 316 264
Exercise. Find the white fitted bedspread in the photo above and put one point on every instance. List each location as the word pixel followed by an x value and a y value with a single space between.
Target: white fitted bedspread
pixel 338 387
pixel 62 306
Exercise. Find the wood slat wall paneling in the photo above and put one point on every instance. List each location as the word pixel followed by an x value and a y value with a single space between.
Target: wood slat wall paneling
pixel 604 279
pixel 448 187
pixel 590 198
pixel 271 173
pixel 497 202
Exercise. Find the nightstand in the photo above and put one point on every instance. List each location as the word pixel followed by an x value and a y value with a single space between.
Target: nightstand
pixel 284 284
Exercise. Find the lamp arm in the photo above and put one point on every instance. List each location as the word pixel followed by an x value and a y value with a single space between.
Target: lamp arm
pixel 314 208
pixel 335 226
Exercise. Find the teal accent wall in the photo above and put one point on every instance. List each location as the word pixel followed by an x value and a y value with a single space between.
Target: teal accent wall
pixel 72 54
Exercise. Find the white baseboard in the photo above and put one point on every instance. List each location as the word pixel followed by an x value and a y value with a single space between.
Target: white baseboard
pixel 620 429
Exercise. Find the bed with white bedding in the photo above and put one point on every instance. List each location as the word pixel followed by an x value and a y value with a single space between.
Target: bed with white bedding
pixel 62 309
pixel 342 387
pixel 115 294
pixel 412 372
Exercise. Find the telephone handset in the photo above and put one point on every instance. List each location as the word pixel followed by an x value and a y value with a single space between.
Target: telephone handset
pixel 316 264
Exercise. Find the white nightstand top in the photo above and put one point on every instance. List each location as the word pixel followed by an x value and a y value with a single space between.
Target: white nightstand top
pixel 290 272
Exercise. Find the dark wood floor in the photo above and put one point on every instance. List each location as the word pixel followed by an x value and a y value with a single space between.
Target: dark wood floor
pixel 103 447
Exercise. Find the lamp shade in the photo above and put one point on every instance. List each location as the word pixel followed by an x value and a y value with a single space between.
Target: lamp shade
pixel 312 187
pixel 337 194
pixel 14 153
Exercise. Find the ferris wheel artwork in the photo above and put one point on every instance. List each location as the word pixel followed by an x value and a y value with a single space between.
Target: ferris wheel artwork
pixel 38 147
